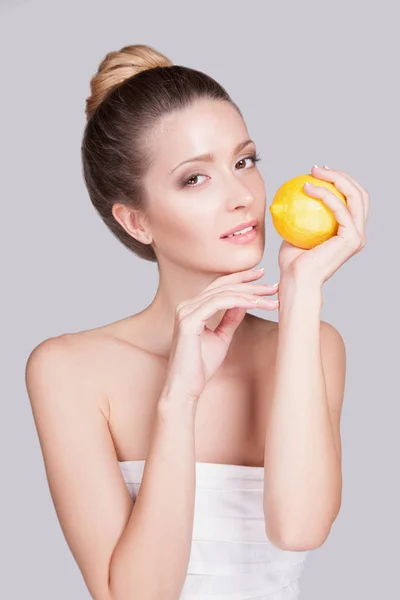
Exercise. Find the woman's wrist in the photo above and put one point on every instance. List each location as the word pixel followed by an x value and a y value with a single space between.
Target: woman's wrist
pixel 175 396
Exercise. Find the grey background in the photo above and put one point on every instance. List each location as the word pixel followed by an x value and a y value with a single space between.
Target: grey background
pixel 317 84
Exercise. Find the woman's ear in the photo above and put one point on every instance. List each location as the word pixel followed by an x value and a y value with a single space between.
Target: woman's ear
pixel 133 221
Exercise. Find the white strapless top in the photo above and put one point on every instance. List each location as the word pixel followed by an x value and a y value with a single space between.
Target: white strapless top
pixel 231 557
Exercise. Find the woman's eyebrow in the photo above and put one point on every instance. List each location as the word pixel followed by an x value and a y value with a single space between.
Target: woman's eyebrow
pixel 210 157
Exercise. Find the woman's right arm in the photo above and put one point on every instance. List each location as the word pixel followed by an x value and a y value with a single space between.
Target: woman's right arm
pixel 124 551
pixel 152 555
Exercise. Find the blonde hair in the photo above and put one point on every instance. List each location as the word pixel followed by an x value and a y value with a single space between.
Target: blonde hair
pixel 119 65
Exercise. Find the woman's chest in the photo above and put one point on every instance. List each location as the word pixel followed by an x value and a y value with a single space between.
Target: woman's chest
pixel 230 417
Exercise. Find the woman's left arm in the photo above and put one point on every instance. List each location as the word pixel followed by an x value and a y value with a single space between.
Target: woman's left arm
pixel 303 479
pixel 302 458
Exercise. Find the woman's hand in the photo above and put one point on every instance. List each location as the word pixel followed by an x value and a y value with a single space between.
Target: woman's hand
pixel 319 263
pixel 198 351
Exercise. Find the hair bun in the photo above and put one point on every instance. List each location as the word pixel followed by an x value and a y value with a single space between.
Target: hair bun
pixel 118 66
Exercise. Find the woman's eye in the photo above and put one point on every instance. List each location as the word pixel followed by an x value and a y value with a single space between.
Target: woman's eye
pixel 191 178
pixel 186 183
pixel 254 158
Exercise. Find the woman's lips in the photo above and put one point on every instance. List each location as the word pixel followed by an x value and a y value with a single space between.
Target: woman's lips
pixel 243 238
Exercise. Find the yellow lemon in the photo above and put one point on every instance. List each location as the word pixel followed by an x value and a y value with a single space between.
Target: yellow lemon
pixel 300 219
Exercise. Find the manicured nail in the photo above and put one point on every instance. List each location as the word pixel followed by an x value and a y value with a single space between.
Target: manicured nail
pixel 315 167
pixel 325 167
pixel 275 284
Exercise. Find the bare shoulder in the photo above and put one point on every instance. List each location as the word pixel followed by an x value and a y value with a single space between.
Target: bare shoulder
pixel 265 332
pixel 66 380
pixel 90 358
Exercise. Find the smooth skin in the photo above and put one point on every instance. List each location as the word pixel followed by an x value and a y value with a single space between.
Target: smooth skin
pixel 100 395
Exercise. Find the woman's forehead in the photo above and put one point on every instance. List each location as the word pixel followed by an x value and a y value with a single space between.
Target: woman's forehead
pixel 203 129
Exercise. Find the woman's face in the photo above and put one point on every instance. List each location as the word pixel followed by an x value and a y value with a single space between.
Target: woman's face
pixel 191 205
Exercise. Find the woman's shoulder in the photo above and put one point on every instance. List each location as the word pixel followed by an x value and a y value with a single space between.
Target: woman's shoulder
pixel 101 341
pixel 90 357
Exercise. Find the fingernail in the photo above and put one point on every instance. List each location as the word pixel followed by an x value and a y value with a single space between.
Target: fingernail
pixel 315 167
pixel 262 269
pixel 275 284
pixel 325 167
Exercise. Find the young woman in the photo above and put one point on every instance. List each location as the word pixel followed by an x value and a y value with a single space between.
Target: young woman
pixel 193 449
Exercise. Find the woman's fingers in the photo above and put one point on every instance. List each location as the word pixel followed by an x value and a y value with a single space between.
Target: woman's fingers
pixel 193 316
pixel 237 277
pixel 256 289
